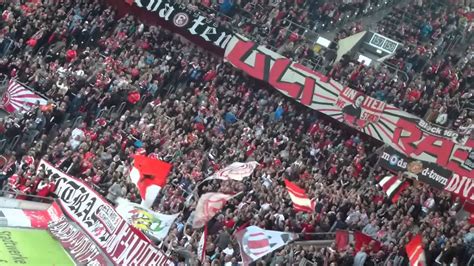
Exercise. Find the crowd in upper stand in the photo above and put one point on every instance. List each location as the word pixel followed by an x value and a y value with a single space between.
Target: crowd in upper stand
pixel 119 88
pixel 429 76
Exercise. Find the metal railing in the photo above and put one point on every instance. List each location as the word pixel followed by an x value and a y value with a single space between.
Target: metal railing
pixel 14 194
pixel 404 75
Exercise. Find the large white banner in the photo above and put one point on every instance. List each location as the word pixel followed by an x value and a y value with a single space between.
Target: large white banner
pixel 236 171
pixel 153 224
pixel 123 244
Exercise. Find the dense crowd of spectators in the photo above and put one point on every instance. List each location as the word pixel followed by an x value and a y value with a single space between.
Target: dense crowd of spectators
pixel 433 78
pixel 269 17
pixel 187 107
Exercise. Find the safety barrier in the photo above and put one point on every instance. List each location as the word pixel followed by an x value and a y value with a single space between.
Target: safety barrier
pixel 14 194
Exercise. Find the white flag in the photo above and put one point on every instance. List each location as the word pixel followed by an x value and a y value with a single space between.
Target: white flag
pixel 209 205
pixel 153 224
pixel 255 242
pixel 236 171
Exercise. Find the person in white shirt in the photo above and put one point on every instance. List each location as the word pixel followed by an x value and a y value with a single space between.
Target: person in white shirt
pixel 442 117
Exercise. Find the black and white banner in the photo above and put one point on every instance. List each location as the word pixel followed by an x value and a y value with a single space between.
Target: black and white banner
pixel 425 172
pixel 79 245
pixel 123 244
pixel 442 132
pixel 193 22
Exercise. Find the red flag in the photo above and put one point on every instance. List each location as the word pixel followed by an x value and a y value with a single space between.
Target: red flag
pixel 342 240
pixel 150 176
pixel 415 251
pixel 301 201
pixel 362 239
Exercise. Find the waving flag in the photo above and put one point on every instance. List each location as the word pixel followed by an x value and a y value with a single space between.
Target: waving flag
pixel 236 171
pixel 18 98
pixel 393 187
pixel 361 240
pixel 153 224
pixel 301 201
pixel 209 205
pixel 415 251
pixel 149 175
pixel 255 242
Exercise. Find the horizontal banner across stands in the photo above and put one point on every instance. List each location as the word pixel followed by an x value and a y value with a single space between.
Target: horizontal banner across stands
pixel 370 116
pixel 179 19
pixel 429 173
pixel 122 243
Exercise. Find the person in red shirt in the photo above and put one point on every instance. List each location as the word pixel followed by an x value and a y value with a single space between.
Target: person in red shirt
pixel 44 188
pixel 229 222
pixel 25 190
pixel 71 54
pixel 133 97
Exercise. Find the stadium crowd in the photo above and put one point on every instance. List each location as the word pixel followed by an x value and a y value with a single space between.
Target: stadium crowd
pixel 422 80
pixel 434 80
pixel 120 88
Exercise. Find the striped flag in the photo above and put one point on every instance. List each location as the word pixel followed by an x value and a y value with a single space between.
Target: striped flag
pixel 18 98
pixel 415 251
pixel 301 202
pixel 392 186
pixel 255 242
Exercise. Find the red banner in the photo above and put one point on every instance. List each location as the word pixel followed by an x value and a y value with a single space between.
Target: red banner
pixel 370 116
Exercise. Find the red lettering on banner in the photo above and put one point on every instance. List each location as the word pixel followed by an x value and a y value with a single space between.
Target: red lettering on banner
pixel 406 141
pixel 241 52
pixel 441 151
pixel 374 105
pixel 340 103
pixel 131 245
pixel 349 93
pixel 140 259
pixel 444 151
pixel 294 90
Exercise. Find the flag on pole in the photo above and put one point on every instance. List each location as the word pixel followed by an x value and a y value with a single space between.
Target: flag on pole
pixel 255 242
pixel 209 205
pixel 415 251
pixel 149 175
pixel 236 171
pixel 393 187
pixel 18 98
pixel 301 202
pixel 202 245
pixel 153 224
